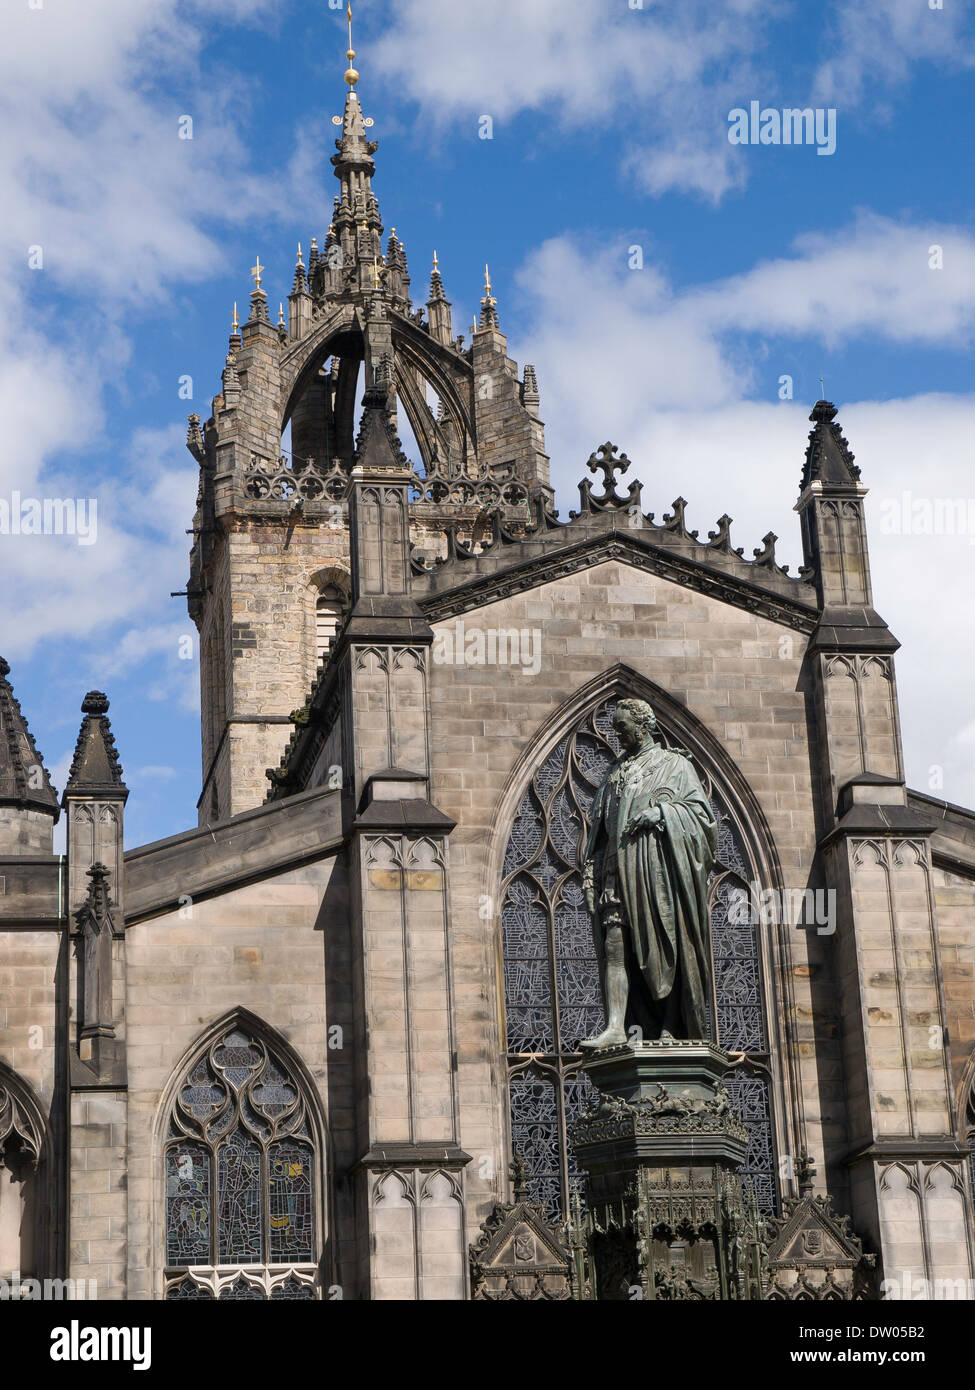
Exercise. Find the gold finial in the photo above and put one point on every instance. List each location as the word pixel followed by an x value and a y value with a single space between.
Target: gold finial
pixel 436 263
pixel 300 261
pixel 256 273
pixel 235 326
pixel 351 76
pixel 487 281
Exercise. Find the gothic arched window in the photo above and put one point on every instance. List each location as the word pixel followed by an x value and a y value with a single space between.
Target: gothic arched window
pixel 552 990
pixel 241 1167
pixel 21 1152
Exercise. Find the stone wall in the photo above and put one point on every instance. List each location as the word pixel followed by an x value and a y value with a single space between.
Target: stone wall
pixel 264 948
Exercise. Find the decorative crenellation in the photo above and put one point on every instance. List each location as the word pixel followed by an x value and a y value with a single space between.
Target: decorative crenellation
pixel 294 480
pixel 542 518
pixel 544 568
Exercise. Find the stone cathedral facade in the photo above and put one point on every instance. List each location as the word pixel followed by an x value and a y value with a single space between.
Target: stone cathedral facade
pixel 325 1043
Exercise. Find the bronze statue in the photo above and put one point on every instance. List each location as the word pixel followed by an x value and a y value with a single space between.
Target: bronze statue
pixel 645 875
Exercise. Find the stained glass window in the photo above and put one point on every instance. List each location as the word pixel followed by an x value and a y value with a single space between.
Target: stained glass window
pixel 552 990
pixel 240 1167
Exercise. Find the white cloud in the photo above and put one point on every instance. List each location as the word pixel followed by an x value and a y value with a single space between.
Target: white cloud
pixel 653 83
pixel 665 378
pixel 878 42
pixel 643 347
pixel 92 171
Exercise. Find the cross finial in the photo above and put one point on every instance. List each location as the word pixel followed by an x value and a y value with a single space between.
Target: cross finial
pixel 822 389
pixel 608 460
pixel 256 271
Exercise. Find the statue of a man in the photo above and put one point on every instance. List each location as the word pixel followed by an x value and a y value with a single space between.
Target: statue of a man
pixel 645 875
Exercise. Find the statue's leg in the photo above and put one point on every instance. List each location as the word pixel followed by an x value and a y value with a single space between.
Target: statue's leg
pixel 671 1012
pixel 616 989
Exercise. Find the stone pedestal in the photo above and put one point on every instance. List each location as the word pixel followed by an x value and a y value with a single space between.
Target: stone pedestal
pixel 666 1216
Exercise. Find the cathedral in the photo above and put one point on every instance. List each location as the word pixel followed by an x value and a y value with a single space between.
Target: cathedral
pixel 325 1043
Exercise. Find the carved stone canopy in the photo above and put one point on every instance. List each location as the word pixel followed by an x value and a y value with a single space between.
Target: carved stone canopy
pixel 519 1256
pixel 812 1255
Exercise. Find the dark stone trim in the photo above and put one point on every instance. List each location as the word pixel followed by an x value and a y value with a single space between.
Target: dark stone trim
pixel 890 1152
pixel 33 924
pixel 874 822
pixel 216 887
pixel 427 1154
pixel 479 590
pixel 409 814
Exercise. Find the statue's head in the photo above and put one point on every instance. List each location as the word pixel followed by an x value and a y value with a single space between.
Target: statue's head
pixel 634 722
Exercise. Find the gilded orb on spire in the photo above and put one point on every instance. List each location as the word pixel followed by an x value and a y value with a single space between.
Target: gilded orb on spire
pixel 351 76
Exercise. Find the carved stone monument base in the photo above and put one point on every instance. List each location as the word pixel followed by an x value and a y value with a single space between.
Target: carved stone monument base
pixel 665 1214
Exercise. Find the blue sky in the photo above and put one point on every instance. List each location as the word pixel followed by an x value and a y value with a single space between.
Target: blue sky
pixel 610 130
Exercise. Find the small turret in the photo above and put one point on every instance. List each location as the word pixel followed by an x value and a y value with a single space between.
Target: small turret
pixel 28 802
pixel 438 307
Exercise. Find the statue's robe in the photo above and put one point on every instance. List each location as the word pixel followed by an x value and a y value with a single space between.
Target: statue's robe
pixel 661 878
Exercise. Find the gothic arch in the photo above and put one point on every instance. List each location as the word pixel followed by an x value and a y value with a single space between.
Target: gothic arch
pixel 241 1101
pixel 543 1056
pixel 415 352
pixel 24 1171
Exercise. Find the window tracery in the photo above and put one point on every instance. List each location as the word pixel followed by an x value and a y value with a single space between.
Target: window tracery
pixel 552 989
pixel 240 1163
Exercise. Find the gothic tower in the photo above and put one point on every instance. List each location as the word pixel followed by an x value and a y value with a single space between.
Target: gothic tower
pixel 270 567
